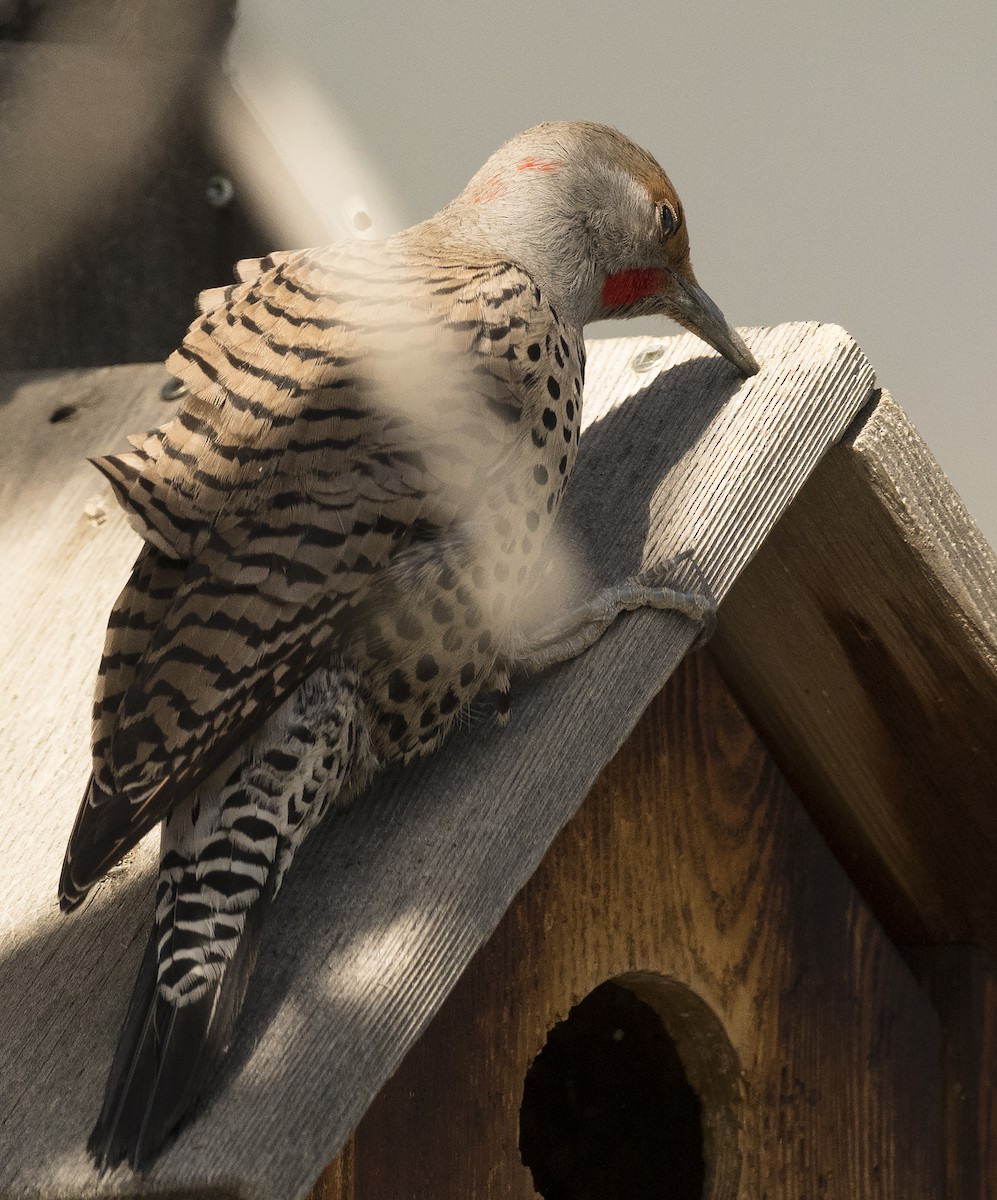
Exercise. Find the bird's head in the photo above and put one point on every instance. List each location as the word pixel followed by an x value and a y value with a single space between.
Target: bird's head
pixel 597 223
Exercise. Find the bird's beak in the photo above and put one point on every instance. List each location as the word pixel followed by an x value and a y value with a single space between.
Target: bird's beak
pixel 691 307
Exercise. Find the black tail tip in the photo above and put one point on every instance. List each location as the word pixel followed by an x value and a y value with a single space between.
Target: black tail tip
pixel 71 895
pixel 109 1152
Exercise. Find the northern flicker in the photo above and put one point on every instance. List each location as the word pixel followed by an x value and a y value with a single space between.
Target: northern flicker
pixel 338 529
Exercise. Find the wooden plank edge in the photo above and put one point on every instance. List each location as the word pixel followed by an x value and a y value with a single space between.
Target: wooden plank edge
pixel 920 896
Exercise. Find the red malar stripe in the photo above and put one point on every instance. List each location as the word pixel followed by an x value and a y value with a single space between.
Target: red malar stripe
pixel 630 286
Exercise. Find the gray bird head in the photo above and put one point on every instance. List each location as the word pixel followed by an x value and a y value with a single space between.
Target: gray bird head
pixel 597 223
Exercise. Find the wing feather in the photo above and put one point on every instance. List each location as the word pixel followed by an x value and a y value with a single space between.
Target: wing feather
pixel 340 403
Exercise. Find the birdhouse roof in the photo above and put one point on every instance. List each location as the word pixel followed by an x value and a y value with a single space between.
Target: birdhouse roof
pixel 806 469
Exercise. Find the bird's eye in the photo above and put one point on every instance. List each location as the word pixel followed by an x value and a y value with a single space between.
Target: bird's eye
pixel 667 219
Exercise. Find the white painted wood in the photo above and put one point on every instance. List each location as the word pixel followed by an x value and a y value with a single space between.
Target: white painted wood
pixel 390 900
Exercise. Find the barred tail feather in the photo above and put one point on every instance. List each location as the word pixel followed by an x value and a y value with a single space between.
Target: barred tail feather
pixel 168 1052
pixel 223 857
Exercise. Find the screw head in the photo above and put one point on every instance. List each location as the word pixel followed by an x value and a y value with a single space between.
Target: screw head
pixel 219 191
pixel 173 389
pixel 647 359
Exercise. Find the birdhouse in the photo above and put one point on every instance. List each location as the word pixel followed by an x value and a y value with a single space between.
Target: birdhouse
pixel 705 920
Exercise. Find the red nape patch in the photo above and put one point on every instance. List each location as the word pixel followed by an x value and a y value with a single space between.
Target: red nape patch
pixel 630 286
pixel 536 164
pixel 489 189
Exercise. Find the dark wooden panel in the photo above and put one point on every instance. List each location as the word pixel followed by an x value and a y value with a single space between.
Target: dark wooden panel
pixel 962 982
pixel 108 234
pixel 692 864
pixel 117 22
pixel 862 641
pixel 338 1179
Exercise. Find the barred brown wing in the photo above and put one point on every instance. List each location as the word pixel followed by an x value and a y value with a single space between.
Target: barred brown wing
pixel 342 404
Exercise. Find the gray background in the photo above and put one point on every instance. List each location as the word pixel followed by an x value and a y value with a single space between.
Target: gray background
pixel 836 160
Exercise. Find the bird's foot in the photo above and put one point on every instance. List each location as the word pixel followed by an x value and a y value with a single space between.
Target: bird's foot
pixel 569 635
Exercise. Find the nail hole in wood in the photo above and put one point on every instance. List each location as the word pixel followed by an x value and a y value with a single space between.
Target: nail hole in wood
pixel 613 1107
pixel 62 413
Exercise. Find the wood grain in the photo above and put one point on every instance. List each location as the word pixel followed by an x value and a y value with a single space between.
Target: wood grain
pixel 390 900
pixel 962 984
pixel 862 641
pixel 692 864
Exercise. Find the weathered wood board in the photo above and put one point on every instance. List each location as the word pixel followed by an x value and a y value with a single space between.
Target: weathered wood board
pixel 962 984
pixel 692 864
pixel 390 900
pixel 878 694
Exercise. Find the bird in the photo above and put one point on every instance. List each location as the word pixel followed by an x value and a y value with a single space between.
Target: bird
pixel 338 528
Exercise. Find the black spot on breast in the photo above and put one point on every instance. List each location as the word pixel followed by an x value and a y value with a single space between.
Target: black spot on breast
pixel 564 349
pixel 553 387
pixel 408 627
pixel 442 612
pixel 428 716
pixel 562 466
pixel 532 521
pixel 527 545
pixel 472 616
pixel 540 474
pixel 567 433
pixel 551 500
pixel 569 409
pixel 426 668
pixel 449 702
pixel 558 357
pixel 452 641
pixel 466 674
pixel 533 350
pixel 549 418
pixel 539 440
pixel 397 727
pixel 399 688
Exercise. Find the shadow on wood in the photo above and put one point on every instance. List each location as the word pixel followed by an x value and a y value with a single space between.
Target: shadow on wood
pixel 390 902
